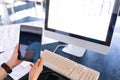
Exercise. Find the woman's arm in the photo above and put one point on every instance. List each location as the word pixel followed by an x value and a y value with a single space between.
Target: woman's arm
pixel 3 73
pixel 12 62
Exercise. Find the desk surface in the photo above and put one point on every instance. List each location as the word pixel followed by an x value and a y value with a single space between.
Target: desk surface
pixel 107 65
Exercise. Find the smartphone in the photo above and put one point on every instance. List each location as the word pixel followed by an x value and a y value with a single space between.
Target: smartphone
pixel 30 40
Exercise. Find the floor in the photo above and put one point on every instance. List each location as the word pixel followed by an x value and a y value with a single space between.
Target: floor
pixel 24 12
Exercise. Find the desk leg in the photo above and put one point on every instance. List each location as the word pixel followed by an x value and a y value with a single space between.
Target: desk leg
pixel 35 7
pixel 6 18
pixel 12 10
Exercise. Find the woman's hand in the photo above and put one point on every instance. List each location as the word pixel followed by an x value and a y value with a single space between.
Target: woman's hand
pixel 13 61
pixel 36 69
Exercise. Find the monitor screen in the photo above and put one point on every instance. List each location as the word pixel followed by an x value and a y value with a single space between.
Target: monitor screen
pixel 89 20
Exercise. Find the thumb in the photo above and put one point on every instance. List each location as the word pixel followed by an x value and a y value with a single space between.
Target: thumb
pixel 16 48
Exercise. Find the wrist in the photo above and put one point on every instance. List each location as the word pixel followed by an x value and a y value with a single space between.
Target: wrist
pixel 10 64
pixel 32 78
pixel 6 68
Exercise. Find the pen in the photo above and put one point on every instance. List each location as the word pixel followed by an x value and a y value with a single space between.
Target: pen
pixel 1 52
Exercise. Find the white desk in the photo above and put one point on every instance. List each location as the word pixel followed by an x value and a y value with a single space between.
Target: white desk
pixel 8 39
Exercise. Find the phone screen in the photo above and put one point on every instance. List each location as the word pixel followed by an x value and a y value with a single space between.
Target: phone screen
pixel 30 40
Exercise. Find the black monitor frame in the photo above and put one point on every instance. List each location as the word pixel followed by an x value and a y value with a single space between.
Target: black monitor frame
pixel 109 33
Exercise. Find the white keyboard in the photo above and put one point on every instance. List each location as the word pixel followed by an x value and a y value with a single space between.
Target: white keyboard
pixel 68 68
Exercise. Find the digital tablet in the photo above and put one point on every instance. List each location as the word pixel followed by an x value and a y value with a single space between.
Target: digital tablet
pixel 30 40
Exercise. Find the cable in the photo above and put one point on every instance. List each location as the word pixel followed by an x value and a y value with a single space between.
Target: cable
pixel 58 47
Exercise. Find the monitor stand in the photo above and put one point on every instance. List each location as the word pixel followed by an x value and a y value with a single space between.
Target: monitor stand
pixel 74 50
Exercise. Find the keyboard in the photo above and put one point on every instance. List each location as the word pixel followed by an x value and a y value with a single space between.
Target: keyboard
pixel 67 67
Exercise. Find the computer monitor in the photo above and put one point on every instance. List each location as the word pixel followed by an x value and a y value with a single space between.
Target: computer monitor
pixel 83 23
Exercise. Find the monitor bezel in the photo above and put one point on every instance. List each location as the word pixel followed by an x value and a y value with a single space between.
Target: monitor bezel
pixel 109 33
